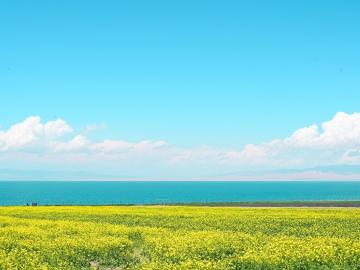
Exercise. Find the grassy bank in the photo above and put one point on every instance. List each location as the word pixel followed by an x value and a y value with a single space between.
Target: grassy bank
pixel 275 204
pixel 177 238
pixel 318 204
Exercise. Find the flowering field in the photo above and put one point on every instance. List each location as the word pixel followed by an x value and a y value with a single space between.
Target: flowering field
pixel 88 237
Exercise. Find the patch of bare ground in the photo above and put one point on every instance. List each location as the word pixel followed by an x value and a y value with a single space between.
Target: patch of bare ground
pixel 97 266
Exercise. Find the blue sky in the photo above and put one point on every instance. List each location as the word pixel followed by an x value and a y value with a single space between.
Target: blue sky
pixel 216 74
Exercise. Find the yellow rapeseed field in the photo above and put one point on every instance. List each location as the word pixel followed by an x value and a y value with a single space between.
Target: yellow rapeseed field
pixel 174 238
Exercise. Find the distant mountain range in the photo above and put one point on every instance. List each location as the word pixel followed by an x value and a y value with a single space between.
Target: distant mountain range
pixel 335 172
pixel 11 174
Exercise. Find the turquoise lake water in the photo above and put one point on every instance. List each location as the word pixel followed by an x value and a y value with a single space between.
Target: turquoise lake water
pixel 100 192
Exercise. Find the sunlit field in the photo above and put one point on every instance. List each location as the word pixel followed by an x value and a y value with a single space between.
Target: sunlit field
pixel 183 237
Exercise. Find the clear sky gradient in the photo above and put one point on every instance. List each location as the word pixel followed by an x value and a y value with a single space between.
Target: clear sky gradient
pixel 217 73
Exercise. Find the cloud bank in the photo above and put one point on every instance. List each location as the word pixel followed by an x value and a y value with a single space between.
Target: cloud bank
pixel 336 141
pixel 55 144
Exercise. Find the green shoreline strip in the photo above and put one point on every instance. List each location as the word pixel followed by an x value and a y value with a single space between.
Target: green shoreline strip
pixel 230 204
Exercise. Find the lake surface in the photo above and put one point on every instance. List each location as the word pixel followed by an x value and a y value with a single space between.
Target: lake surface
pixel 97 193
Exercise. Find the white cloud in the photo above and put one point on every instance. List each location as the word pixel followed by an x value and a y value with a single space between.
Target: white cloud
pixel 336 141
pixel 342 131
pixel 304 137
pixel 48 137
pixel 111 146
pixel 119 147
pixel 55 129
pixel 351 156
pixel 78 143
pixel 329 143
pixel 32 131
